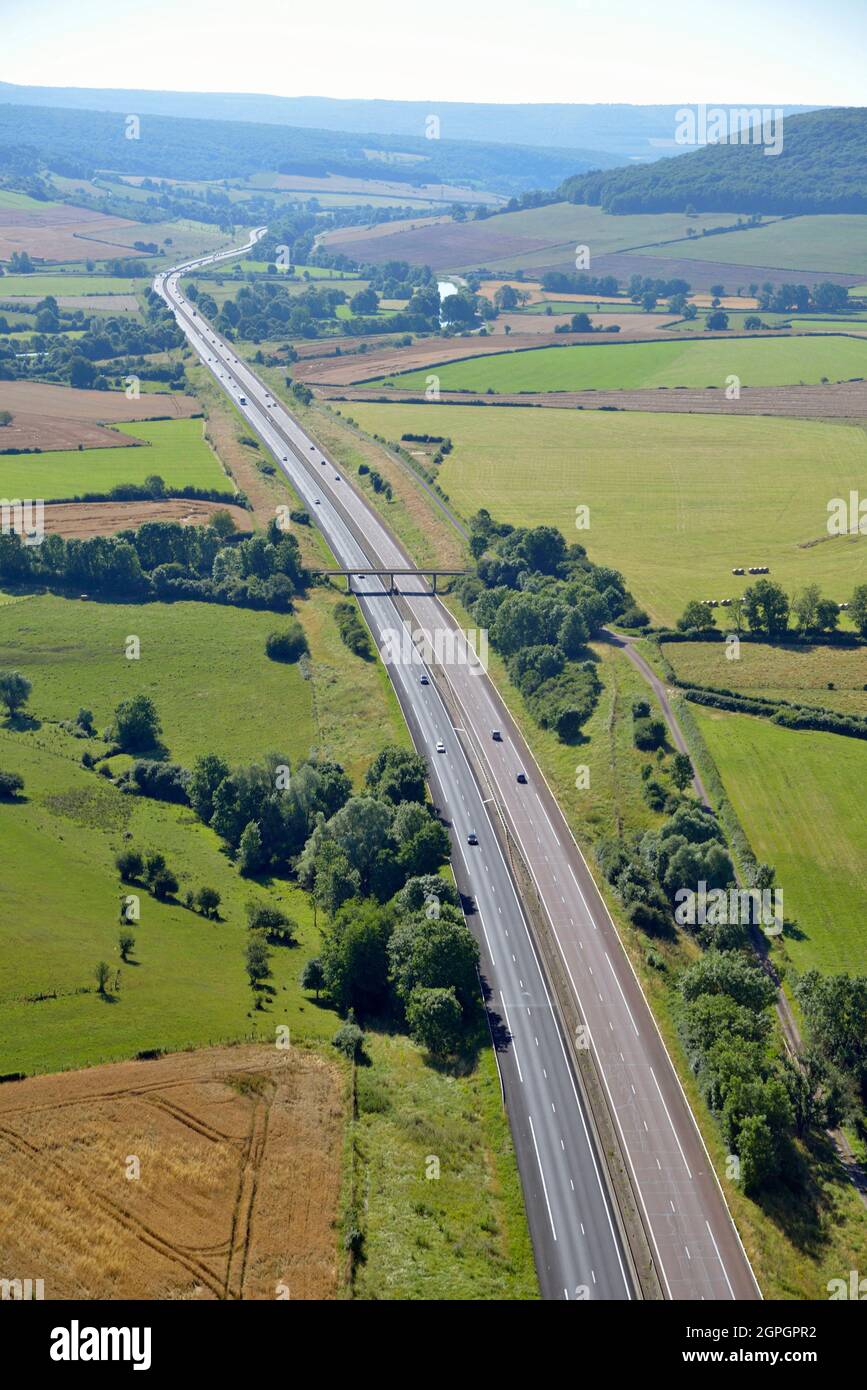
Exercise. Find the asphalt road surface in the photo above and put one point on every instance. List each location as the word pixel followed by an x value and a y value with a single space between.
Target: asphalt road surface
pixel 696 1249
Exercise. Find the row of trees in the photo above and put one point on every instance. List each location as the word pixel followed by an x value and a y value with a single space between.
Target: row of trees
pixel 766 608
pixel 167 561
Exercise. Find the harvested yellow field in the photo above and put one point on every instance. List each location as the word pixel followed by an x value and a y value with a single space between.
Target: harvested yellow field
pixel 204 1175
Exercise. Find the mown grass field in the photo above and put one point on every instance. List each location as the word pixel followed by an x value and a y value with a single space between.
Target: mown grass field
pixel 41 285
pixel 643 366
pixel 676 501
pixel 175 449
pixel 799 796
pixel 837 243
pixel 799 673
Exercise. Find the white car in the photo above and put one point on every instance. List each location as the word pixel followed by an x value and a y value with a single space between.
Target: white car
pixel 441 748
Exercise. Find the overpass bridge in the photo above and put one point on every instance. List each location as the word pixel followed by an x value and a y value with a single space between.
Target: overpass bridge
pixel 391 575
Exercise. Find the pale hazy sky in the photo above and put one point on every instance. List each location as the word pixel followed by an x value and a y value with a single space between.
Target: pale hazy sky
pixel 726 51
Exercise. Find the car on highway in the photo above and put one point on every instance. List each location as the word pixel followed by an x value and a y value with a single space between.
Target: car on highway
pixel 337 477
pixel 521 776
pixel 496 736
pixel 317 502
pixel 441 748
pixel 422 680
pixel 472 838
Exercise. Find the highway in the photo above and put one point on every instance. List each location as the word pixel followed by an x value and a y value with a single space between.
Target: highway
pixel 696 1249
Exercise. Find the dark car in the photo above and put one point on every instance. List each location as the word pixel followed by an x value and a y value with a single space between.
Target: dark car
pixel 522 776
pixel 472 838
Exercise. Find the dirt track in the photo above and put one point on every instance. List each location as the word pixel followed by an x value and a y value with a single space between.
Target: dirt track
pixel 239 1153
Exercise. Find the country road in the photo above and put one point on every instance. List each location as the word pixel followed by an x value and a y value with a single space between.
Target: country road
pixel 696 1250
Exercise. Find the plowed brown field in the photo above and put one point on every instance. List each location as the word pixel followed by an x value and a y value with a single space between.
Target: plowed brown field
pixel 85 519
pixel 239 1161
pixel 59 417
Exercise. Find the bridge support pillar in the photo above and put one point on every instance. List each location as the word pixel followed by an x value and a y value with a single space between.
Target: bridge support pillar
pixel 434 581
pixel 348 582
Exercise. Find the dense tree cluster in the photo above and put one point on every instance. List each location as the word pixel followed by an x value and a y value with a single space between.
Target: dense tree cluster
pixel 75 360
pixel 166 561
pixel 541 601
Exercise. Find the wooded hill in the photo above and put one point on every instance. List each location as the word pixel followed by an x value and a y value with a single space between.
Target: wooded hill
pixel 822 168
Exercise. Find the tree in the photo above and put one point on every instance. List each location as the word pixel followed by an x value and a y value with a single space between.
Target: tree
pixel 313 975
pixel 257 961
pixel 835 1008
pixel 11 783
pixel 365 302
pixel 125 942
pixel 136 724
pixel 730 973
pixel 805 606
pixel 696 614
pixel 250 855
pixel 649 734
pixel 757 1152
pixel 506 297
pixel 163 884
pixel 681 771
pixel 102 973
pixel 766 608
pixel 222 522
pixel 14 691
pixel 582 323
pixel 717 321
pixel 82 374
pixel 208 901
pixel 272 922
pixel 129 865
pixel 435 1020
pixel 436 953
pixel 397 775
pixel 335 881
pixel 827 615
pixel 362 829
pixel 209 771
pixel 858 609
pixel 355 957
pixel 288 645
pixel 573 634
pixel 349 1038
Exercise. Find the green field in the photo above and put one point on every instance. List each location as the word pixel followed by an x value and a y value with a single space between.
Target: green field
pixel 798 673
pixel 836 242
pixel 41 285
pixel 74 654
pixel 643 366
pixel 563 226
pixel 198 662
pixel 676 501
pixel 22 202
pixel 175 449
pixel 799 796
pixel 571 306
